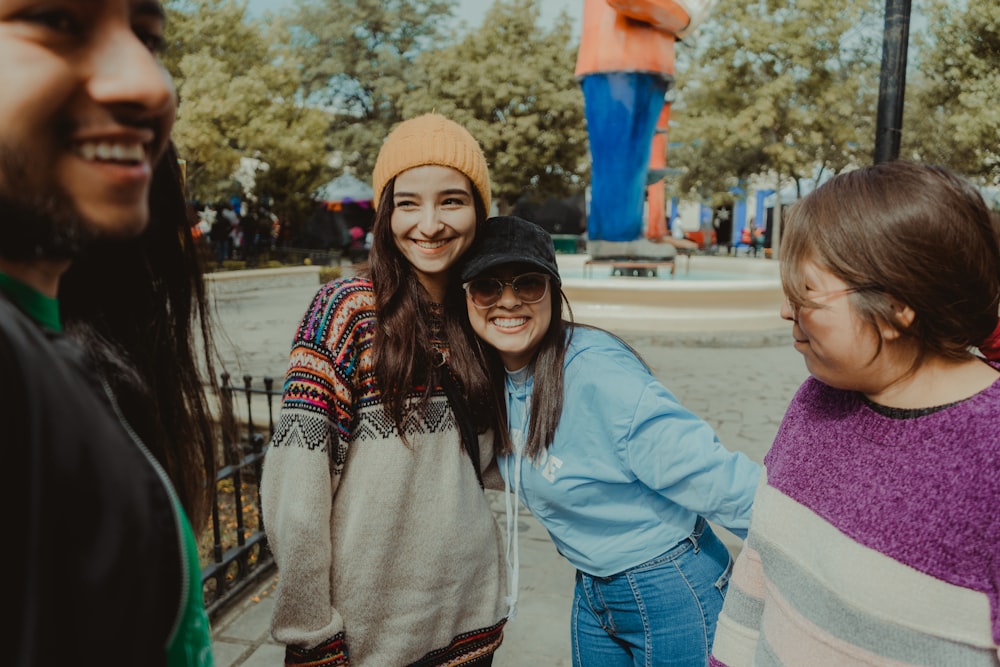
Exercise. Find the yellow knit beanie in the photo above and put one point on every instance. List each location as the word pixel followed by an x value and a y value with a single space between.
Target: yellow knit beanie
pixel 431 139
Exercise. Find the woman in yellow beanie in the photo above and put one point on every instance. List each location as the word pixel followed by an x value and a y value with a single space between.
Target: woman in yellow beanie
pixel 387 550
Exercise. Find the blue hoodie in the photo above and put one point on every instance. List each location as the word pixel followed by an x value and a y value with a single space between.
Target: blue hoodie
pixel 630 469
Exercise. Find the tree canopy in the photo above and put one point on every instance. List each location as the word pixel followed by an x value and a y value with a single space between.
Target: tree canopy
pixel 358 62
pixel 239 91
pixel 771 87
pixel 786 89
pixel 511 84
pixel 952 115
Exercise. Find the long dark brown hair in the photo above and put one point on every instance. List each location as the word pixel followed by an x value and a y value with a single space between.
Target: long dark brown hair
pixel 548 371
pixel 139 306
pixel 405 361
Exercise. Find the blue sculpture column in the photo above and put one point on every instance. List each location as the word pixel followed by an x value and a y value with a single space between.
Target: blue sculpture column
pixel 622 109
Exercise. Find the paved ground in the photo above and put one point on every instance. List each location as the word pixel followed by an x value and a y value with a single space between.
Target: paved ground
pixel 738 381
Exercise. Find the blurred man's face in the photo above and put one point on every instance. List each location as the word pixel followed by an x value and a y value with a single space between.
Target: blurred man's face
pixel 85 112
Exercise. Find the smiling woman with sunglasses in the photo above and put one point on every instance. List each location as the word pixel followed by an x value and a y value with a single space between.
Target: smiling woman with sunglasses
pixel 622 476
pixel 528 287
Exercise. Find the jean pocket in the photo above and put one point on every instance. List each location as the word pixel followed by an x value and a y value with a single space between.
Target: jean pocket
pixel 722 583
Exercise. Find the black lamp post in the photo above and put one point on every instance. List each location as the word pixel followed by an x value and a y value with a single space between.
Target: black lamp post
pixel 892 84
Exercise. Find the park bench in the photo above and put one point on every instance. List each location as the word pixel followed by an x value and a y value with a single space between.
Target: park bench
pixel 630 267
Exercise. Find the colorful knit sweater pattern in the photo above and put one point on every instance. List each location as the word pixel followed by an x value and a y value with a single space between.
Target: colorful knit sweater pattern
pixel 874 540
pixel 407 565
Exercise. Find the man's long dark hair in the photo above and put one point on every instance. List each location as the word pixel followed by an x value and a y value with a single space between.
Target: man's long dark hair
pixel 404 358
pixel 140 307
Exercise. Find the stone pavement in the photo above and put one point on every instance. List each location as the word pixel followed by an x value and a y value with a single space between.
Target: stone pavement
pixel 739 382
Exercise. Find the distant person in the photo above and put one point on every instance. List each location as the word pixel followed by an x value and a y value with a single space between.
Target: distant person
pixel 876 538
pixel 356 247
pixel 250 226
pixel 275 229
pixel 622 476
pixel 106 426
pixel 387 549
pixel 219 236
pixel 236 236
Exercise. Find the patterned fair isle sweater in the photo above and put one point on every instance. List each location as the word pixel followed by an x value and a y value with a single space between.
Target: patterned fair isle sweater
pixel 386 552
pixel 875 539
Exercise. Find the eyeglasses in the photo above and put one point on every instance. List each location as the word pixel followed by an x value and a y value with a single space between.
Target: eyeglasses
pixel 487 292
pixel 822 297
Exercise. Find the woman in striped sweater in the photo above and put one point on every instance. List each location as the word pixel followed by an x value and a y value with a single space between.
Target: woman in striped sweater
pixel 875 536
pixel 386 546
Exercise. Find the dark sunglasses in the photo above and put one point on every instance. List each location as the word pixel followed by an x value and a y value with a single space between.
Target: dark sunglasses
pixel 486 292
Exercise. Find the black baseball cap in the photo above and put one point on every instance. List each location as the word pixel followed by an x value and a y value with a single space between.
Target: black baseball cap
pixel 508 239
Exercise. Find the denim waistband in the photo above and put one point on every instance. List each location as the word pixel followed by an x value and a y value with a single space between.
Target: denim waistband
pixel 692 541
pixel 697 531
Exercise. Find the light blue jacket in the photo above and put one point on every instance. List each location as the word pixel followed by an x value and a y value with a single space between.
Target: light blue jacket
pixel 630 469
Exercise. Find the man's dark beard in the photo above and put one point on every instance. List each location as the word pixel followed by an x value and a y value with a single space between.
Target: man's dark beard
pixel 38 220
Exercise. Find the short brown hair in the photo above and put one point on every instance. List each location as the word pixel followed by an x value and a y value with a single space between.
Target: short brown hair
pixel 917 233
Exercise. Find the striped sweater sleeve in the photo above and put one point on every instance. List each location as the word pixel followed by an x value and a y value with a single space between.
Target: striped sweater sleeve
pixel 305 459
pixel 738 629
pixel 822 599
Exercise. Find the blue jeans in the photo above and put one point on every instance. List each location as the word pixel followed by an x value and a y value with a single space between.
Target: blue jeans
pixel 662 612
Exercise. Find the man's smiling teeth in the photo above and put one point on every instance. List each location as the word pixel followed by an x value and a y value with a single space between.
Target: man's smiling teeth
pixel 509 322
pixel 430 245
pixel 111 152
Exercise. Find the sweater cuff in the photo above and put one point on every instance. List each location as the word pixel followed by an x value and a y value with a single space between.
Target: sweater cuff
pixel 331 653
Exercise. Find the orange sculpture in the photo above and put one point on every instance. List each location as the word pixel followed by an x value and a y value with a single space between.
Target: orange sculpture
pixel 625 65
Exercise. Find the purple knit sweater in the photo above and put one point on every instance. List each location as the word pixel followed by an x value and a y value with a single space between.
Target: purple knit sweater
pixel 846 486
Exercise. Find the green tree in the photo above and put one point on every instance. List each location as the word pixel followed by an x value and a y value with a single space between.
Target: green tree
pixel 951 116
pixel 240 98
pixel 511 83
pixel 357 62
pixel 786 87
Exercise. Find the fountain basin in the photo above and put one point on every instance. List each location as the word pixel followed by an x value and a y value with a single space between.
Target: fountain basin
pixel 738 294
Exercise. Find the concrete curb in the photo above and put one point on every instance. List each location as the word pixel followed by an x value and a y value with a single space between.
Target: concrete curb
pixel 246 280
pixel 710 339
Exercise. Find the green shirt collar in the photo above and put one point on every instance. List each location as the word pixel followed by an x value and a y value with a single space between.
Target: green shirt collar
pixel 43 309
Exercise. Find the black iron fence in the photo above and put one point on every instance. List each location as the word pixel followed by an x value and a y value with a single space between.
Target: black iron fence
pixel 238 557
